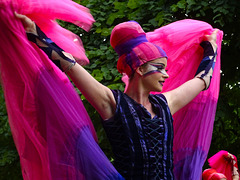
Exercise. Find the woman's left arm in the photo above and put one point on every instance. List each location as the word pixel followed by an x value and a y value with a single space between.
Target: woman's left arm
pixel 185 93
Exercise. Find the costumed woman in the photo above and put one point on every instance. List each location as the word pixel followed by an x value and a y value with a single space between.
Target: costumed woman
pixel 138 124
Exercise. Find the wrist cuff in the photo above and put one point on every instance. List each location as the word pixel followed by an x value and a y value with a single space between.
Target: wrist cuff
pixel 208 49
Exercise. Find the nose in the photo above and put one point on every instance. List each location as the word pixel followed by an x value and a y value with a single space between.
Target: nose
pixel 166 75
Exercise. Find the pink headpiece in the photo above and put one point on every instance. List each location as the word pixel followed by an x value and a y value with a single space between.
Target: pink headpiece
pixel 129 40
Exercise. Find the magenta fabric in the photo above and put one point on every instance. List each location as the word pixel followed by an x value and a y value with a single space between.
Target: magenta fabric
pixel 129 40
pixel 193 125
pixel 218 176
pixel 212 174
pixel 45 13
pixel 51 129
pixel 220 164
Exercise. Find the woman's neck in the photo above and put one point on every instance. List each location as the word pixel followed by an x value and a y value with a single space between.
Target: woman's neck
pixel 136 91
pixel 139 94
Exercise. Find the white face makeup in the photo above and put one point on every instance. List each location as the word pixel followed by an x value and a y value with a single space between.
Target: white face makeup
pixel 155 68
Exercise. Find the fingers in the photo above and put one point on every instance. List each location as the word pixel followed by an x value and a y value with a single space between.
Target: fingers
pixel 215 31
pixel 20 16
pixel 230 156
pixel 214 34
pixel 28 24
pixel 212 38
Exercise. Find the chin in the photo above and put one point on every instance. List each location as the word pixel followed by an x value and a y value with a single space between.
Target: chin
pixel 157 90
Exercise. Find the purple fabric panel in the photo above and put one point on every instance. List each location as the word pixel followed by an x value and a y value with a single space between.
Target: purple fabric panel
pixel 191 158
pixel 64 124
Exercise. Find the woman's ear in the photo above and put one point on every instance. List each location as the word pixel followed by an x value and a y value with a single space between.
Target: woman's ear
pixel 139 71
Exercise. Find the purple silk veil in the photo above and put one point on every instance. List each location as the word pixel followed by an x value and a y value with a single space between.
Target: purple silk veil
pixel 52 131
pixel 193 124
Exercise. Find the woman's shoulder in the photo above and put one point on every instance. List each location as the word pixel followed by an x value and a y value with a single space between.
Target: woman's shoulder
pixel 159 97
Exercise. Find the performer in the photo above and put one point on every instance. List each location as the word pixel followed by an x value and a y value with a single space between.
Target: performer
pixel 138 124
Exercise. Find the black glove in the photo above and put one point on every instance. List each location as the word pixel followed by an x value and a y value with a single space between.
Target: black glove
pixel 207 64
pixel 49 47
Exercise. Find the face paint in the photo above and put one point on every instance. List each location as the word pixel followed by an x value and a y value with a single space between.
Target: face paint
pixel 155 68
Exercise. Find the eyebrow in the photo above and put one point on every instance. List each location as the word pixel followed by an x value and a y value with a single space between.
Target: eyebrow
pixel 158 64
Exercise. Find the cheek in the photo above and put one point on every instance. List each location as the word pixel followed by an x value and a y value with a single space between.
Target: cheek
pixel 150 70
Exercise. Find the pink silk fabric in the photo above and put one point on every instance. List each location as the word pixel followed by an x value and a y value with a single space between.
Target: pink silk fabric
pixel 51 129
pixel 45 12
pixel 193 124
pixel 220 163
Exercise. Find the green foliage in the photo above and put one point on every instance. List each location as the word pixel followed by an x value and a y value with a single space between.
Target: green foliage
pixel 222 14
pixel 9 160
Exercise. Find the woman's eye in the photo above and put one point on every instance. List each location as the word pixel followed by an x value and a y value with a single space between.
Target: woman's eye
pixel 160 68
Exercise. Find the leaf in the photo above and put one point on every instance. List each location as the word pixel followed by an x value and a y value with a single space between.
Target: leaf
pixel 132 4
pixel 98 30
pixel 202 13
pixel 159 19
pixel 204 4
pixel 120 5
pixel 174 8
pixel 106 32
pixel 153 22
pixel 97 24
pixel 181 4
pixel 218 15
pixel 134 14
pixel 111 19
pixel 102 47
pixel 190 2
pixel 97 74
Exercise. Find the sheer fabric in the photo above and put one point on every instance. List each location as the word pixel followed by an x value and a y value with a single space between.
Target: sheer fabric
pixel 52 131
pixel 45 13
pixel 193 124
pixel 220 164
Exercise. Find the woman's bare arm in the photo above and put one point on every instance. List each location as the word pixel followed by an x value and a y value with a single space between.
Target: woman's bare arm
pixel 97 94
pixel 100 96
pixel 181 96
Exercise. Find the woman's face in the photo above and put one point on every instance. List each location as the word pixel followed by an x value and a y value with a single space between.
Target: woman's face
pixel 154 74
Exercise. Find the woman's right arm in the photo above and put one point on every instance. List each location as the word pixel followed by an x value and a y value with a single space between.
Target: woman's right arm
pixel 98 95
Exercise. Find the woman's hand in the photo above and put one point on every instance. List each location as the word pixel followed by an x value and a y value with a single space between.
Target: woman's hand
pixel 212 39
pixel 28 24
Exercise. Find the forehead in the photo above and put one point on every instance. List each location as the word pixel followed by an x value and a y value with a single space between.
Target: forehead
pixel 160 61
